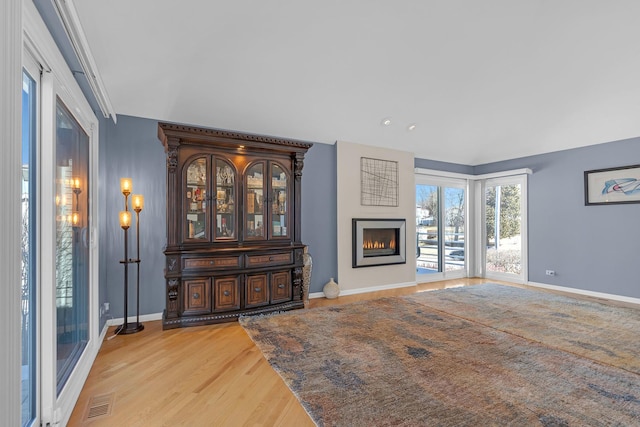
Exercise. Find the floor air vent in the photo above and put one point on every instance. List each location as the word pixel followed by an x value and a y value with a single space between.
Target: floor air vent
pixel 99 406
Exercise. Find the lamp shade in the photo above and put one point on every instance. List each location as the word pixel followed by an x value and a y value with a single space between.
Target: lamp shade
pixel 125 186
pixel 125 219
pixel 76 183
pixel 137 201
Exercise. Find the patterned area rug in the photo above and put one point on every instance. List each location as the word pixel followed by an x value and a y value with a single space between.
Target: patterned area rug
pixel 438 358
pixel 605 333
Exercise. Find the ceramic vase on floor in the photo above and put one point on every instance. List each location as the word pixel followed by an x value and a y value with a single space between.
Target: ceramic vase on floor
pixel 331 289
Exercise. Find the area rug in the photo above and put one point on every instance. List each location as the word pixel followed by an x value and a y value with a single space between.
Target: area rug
pixel 400 362
pixel 606 333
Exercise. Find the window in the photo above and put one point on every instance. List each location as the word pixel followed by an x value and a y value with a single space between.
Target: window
pixel 487 240
pixel 440 228
pixel 29 248
pixel 72 251
pixel 63 137
pixel 505 228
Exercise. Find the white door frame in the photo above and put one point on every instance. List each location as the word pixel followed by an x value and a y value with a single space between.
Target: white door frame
pixel 475 220
pixel 449 182
pixel 520 179
pixel 57 83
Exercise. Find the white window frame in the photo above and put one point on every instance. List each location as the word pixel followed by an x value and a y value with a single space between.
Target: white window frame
pixel 475 230
pixel 34 69
pixel 10 214
pixel 424 177
pixel 524 272
pixel 57 82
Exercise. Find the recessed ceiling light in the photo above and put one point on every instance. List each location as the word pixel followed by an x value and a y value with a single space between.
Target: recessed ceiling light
pixel 386 121
pixel 411 127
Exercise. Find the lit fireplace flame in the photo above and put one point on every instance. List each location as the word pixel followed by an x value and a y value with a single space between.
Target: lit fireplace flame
pixel 370 244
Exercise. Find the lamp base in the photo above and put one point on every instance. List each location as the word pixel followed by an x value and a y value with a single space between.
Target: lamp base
pixel 130 328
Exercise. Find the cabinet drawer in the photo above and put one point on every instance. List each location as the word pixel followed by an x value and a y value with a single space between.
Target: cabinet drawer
pixel 270 259
pixel 281 286
pixel 197 296
pixel 256 290
pixel 217 262
pixel 226 295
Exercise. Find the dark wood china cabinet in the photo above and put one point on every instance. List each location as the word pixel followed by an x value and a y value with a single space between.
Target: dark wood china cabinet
pixel 233 224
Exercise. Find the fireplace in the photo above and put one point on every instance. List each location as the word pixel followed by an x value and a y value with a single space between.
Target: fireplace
pixel 378 242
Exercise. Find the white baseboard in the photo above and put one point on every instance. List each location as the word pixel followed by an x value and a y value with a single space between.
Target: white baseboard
pixel 602 295
pixel 344 292
pixel 103 333
pixel 132 319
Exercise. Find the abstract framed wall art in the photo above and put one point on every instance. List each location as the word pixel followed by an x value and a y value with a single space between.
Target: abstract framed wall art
pixel 378 182
pixel 612 186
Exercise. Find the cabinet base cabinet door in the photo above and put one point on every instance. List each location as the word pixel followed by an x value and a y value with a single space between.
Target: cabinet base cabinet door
pixel 256 291
pixel 226 295
pixel 197 296
pixel 280 286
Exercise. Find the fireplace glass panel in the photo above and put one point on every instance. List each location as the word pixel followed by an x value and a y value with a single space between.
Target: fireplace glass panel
pixel 380 242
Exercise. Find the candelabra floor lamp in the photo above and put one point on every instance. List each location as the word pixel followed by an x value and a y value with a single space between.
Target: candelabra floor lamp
pixel 125 222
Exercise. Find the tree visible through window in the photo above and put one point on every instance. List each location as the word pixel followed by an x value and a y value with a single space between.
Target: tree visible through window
pixel 503 236
pixel 440 244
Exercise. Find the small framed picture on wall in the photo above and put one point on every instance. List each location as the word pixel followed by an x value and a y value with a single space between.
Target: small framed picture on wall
pixel 612 185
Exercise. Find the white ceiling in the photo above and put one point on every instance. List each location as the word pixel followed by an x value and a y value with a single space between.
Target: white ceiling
pixel 483 80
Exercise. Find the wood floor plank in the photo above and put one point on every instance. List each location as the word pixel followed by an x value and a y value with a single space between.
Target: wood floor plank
pixel 200 376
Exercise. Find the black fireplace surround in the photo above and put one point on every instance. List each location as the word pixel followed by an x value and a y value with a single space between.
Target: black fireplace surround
pixel 378 242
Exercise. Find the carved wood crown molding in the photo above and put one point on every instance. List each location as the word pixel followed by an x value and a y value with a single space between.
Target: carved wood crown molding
pixel 183 131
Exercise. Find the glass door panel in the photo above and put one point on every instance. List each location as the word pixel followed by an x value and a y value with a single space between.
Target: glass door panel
pixel 225 200
pixel 195 200
pixel 28 266
pixel 254 204
pixel 454 238
pixel 503 219
pixel 427 229
pixel 278 201
pixel 72 246
pixel 440 228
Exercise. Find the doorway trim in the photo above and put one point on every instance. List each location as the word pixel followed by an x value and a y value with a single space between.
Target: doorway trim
pixel 475 223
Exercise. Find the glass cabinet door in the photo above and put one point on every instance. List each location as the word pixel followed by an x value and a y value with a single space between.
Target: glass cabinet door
pixel 278 201
pixel 225 201
pixel 254 203
pixel 196 200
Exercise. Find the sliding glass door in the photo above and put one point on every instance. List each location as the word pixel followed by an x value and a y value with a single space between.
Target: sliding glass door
pixel 505 228
pixel 72 250
pixel 69 257
pixel 60 255
pixel 440 228
pixel 427 229
pixel 29 319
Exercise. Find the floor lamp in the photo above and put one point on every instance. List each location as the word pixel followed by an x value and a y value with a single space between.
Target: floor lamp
pixel 125 223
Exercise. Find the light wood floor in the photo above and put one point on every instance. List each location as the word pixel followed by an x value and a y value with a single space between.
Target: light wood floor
pixel 199 376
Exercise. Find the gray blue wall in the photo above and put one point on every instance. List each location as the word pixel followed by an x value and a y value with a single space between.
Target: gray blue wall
pixel 130 148
pixel 594 248
pixel 319 213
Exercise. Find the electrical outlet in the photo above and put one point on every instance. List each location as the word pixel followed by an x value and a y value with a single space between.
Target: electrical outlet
pixel 551 273
pixel 105 307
